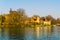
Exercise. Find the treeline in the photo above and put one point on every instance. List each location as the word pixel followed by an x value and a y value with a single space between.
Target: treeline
pixel 16 17
pixel 53 20
pixel 19 17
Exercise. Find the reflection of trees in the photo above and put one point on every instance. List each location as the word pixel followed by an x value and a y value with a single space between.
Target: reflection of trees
pixel 16 33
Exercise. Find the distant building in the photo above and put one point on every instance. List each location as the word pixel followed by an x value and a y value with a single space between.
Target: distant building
pixel 44 21
pixel 35 19
pixel 47 22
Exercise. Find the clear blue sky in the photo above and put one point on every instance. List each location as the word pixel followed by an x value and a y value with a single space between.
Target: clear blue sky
pixel 32 7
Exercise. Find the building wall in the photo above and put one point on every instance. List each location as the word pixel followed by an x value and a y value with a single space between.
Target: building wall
pixel 35 19
pixel 47 22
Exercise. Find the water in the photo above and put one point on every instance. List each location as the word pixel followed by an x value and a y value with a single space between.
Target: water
pixel 30 33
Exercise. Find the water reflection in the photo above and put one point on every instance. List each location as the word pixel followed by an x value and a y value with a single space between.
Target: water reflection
pixel 16 33
pixel 30 33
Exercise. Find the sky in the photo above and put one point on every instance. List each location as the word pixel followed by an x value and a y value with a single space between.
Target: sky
pixel 32 7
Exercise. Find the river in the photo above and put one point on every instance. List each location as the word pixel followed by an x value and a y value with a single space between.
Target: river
pixel 30 33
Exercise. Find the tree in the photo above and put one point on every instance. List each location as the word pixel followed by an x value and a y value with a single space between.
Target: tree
pixel 22 15
pixel 53 20
pixel 49 17
pixel 2 19
pixel 58 20
pixel 17 16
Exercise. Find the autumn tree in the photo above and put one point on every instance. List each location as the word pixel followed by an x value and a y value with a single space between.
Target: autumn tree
pixel 2 19
pixel 22 16
pixel 17 16
pixel 53 20
pixel 58 20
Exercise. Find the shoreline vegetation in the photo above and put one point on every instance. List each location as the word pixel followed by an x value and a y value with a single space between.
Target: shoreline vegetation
pixel 19 18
